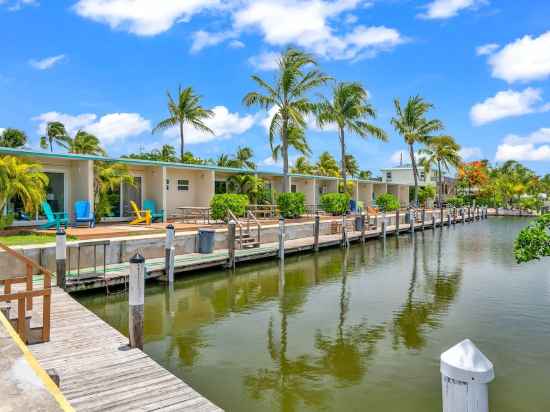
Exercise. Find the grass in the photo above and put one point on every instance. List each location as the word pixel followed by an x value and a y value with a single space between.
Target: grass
pixel 29 238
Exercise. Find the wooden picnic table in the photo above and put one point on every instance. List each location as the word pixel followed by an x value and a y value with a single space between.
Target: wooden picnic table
pixel 196 212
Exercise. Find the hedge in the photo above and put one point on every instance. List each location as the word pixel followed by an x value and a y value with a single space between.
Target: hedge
pixel 234 202
pixel 387 202
pixel 291 205
pixel 455 201
pixel 335 203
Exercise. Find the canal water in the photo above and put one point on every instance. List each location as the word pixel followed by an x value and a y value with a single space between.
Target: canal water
pixel 356 330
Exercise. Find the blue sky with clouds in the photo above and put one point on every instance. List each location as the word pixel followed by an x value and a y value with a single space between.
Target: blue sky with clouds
pixel 105 66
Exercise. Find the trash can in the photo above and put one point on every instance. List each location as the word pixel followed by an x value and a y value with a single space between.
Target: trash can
pixel 358 220
pixel 206 240
pixel 408 217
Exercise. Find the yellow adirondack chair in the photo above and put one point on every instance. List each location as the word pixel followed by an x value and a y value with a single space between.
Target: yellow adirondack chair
pixel 141 215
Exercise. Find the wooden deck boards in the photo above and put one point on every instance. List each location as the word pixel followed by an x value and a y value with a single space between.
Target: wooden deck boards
pixel 97 370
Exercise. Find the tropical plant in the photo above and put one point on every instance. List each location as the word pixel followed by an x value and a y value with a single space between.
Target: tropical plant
pixel 185 110
pixel 473 175
pixel 246 184
pixel 22 180
pixel 291 205
pixel 348 109
pixel 302 166
pixel 365 174
pixel 297 76
pixel 221 203
pixel 13 138
pixel 335 203
pixel 533 242
pixel 443 153
pixel 411 123
pixel 85 143
pixel 55 133
pixel 327 165
pixel 425 193
pixel 224 160
pixel 387 202
pixel 243 158
pixel 530 203
pixel 191 159
pixel 455 201
pixel 352 167
pixel 108 177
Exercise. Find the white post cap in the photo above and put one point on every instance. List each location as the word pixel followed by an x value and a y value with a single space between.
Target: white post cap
pixel 466 363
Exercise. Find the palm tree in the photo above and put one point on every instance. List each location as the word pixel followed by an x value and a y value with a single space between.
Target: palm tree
pixel 442 152
pixel 348 110
pixel 326 165
pixel 297 75
pixel 13 138
pixel 224 160
pixel 302 166
pixel 167 153
pixel 55 133
pixel 352 168
pixel 108 177
pixel 244 156
pixel 85 143
pixel 186 110
pixel 22 180
pixel 412 125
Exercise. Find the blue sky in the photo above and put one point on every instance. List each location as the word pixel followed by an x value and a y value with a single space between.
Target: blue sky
pixel 105 66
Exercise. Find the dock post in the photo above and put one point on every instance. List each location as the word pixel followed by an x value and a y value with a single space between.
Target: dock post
pixel 384 225
pixel 345 242
pixel 441 220
pixel 413 219
pixel 316 229
pixel 454 216
pixel 363 225
pixel 397 219
pixel 423 218
pixel 231 231
pixel 462 215
pixel 60 257
pixel 282 238
pixel 465 375
pixel 469 214
pixel 169 253
pixel 136 300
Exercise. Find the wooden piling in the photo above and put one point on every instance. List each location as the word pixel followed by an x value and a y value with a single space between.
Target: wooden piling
pixel 169 253
pixel 397 219
pixel 136 300
pixel 282 238
pixel 231 232
pixel 363 227
pixel 61 257
pixel 316 229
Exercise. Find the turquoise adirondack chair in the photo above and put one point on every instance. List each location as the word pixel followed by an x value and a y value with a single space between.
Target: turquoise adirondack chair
pixel 56 219
pixel 83 213
pixel 150 205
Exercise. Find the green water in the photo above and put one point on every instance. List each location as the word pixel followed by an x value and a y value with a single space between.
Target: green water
pixel 357 330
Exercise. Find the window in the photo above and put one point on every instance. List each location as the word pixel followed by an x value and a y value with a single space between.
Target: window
pixel 293 188
pixel 388 176
pixel 220 187
pixel 423 176
pixel 167 184
pixel 183 185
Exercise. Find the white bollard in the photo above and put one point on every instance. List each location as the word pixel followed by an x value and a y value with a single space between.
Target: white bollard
pixel 465 373
pixel 61 257
pixel 136 300
pixel 169 253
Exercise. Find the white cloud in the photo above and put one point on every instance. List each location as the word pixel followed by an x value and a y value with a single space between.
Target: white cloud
pixel 269 161
pixel 504 104
pixel 202 39
pixel 444 9
pixel 533 147
pixel 18 4
pixel 224 124
pixel 109 128
pixel 265 61
pixel 487 49
pixel 142 17
pixel 236 44
pixel 307 24
pixel 525 59
pixel 2 130
pixel 469 153
pixel 46 63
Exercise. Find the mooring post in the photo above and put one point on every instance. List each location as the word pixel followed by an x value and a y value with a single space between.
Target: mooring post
pixel 462 215
pixel 316 228
pixel 454 215
pixel 465 375
pixel 397 221
pixel 231 232
pixel 169 253
pixel 363 227
pixel 281 238
pixel 60 257
pixel 441 216
pixel 136 300
pixel 469 214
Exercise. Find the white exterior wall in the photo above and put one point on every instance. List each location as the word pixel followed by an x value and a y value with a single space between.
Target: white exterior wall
pixel 405 176
pixel 201 188
pixel 307 187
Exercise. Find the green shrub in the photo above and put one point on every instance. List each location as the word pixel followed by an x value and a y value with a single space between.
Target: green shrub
pixel 530 203
pixel 425 193
pixel 335 203
pixel 455 201
pixel 234 202
pixel 291 205
pixel 387 202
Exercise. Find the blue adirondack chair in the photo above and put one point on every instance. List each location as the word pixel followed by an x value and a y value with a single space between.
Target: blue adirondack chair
pixel 83 214
pixel 150 205
pixel 56 219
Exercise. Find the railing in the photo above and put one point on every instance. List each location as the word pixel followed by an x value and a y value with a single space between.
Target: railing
pixel 25 297
pixel 266 211
pixel 233 217
pixel 249 216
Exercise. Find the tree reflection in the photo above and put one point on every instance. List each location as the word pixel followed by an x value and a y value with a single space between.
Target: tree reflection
pixel 425 311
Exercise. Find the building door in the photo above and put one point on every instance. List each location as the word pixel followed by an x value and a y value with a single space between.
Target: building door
pixel 131 193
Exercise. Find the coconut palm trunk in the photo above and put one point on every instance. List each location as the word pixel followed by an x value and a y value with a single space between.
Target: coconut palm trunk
pixel 343 154
pixel 182 142
pixel 284 136
pixel 415 174
pixel 440 185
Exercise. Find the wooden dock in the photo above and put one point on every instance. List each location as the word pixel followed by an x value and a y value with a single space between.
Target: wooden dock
pixel 117 274
pixel 99 372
